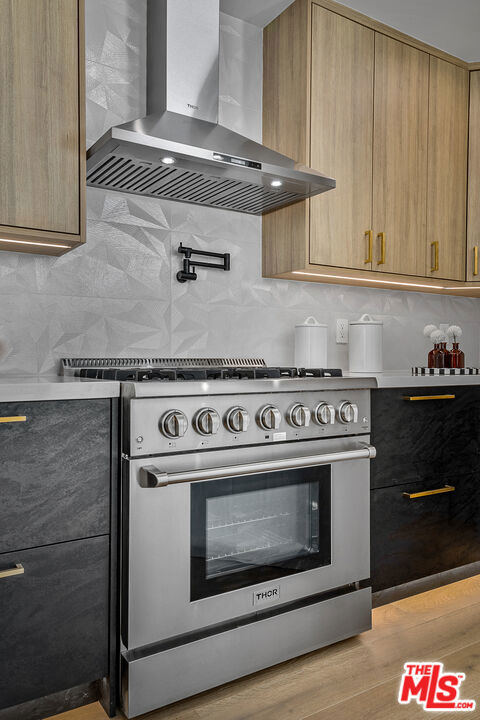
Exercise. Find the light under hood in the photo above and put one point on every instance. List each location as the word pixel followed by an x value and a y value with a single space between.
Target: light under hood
pixel 179 151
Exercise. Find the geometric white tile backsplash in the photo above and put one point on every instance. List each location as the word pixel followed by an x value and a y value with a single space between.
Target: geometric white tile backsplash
pixel 118 295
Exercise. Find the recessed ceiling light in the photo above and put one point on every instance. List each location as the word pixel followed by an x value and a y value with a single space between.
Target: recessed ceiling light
pixel 168 160
pixel 276 183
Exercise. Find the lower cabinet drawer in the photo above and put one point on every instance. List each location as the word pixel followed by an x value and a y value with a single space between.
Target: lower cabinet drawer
pixel 53 619
pixel 424 438
pixel 54 472
pixel 413 537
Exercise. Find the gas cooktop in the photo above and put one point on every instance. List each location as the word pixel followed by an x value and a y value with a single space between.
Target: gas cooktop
pixel 174 370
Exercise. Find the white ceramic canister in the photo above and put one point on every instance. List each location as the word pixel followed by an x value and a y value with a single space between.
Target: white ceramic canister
pixel 365 345
pixel 311 344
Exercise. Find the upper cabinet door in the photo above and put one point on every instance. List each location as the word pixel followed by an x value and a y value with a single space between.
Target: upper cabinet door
pixel 473 232
pixel 341 140
pixel 447 170
pixel 41 119
pixel 400 157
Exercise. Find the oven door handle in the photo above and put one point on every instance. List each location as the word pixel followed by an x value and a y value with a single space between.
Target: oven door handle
pixel 152 477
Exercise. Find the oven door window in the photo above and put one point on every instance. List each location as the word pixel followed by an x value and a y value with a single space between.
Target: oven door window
pixel 248 530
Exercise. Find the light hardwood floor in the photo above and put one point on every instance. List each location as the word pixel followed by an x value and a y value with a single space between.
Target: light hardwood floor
pixel 354 679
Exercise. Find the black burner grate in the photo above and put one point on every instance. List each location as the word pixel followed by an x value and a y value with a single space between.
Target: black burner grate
pixel 185 374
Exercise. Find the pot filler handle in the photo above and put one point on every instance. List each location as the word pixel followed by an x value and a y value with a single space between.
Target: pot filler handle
pixel 152 477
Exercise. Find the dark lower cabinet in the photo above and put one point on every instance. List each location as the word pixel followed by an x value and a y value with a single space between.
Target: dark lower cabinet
pixel 54 472
pixel 58 520
pixel 418 537
pixel 54 619
pixel 424 444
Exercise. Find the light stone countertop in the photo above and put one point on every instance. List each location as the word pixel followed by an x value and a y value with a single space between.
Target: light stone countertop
pixel 52 387
pixel 405 379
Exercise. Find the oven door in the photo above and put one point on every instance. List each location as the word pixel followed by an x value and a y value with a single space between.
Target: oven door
pixel 251 529
pixel 210 540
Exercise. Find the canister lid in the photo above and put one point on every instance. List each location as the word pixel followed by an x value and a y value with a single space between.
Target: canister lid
pixel 311 322
pixel 366 320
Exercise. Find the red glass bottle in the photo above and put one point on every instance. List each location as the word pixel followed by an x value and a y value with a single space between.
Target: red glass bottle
pixel 456 356
pixel 431 356
pixel 439 355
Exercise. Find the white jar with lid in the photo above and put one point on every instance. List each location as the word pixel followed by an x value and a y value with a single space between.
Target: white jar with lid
pixel 311 344
pixel 365 351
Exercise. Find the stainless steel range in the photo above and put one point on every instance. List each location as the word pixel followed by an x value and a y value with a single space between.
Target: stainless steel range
pixel 245 519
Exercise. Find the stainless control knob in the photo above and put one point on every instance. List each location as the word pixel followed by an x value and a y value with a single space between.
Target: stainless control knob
pixel 299 415
pixel 269 417
pixel 324 414
pixel 237 419
pixel 348 412
pixel 207 421
pixel 174 424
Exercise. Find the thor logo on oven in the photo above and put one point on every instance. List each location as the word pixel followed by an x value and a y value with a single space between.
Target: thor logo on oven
pixel 267 595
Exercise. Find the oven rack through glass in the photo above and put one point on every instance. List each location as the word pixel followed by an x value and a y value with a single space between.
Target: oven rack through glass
pixel 212 526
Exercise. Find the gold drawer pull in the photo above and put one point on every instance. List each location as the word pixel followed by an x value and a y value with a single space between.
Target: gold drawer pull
pixel 382 248
pixel 369 257
pixel 14 418
pixel 413 398
pixel 17 570
pixel 438 491
pixel 475 260
pixel 435 245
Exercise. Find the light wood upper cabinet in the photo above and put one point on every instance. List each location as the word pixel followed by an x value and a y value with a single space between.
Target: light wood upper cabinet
pixel 387 117
pixel 400 156
pixel 42 146
pixel 341 139
pixel 447 170
pixel 473 232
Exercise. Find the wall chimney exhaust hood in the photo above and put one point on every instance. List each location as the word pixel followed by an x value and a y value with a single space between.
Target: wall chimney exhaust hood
pixel 179 151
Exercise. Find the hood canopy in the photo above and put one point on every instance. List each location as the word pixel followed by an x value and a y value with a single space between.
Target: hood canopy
pixel 179 151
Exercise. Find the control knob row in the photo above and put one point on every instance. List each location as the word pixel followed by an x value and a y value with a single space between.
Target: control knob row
pixel 207 421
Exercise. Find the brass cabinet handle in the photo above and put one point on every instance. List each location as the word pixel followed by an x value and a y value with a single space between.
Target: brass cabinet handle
pixel 475 260
pixel 14 418
pixel 17 570
pixel 414 398
pixel 382 248
pixel 369 258
pixel 435 245
pixel 424 493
